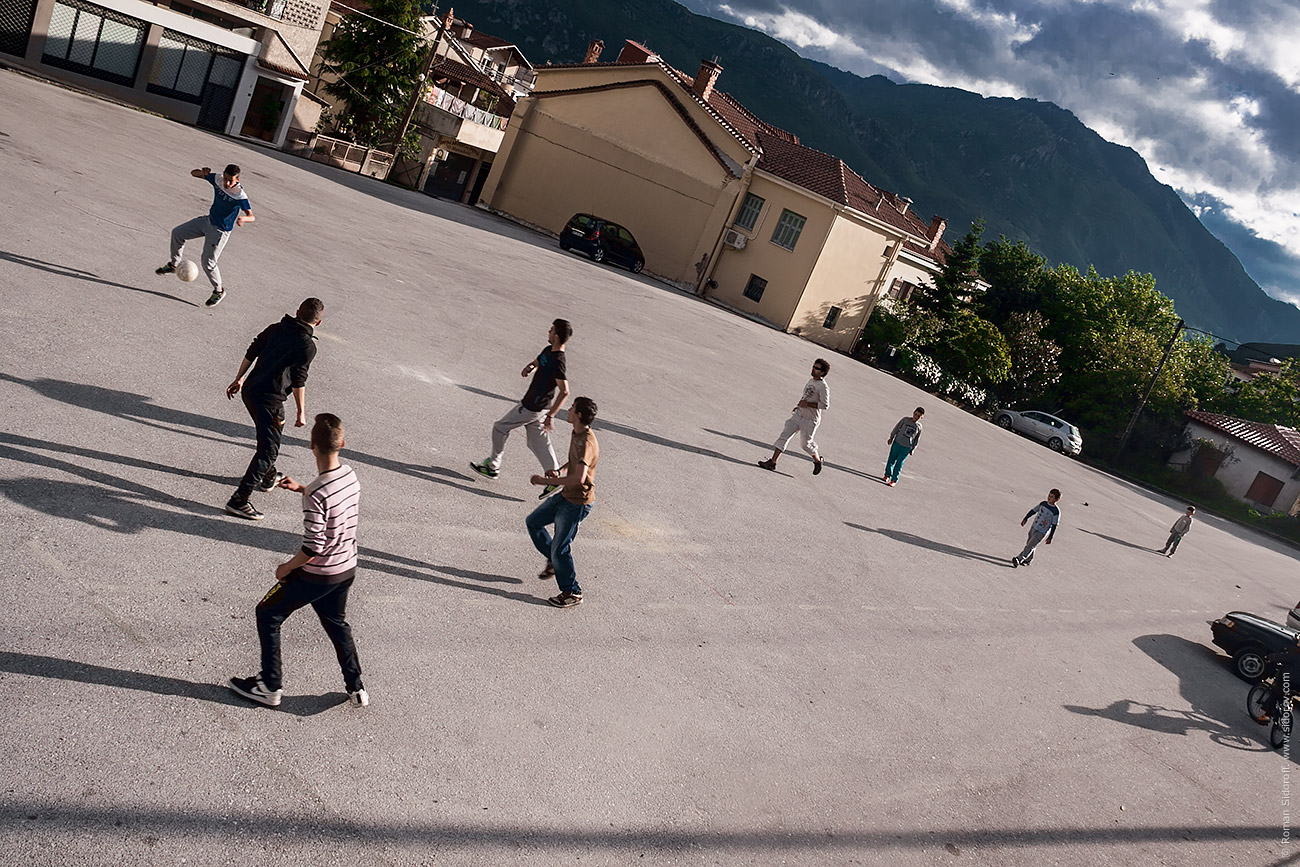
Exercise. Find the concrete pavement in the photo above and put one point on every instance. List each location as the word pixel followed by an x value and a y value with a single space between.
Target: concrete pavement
pixel 768 669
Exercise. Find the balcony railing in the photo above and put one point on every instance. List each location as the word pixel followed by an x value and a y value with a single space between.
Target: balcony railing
pixel 269 8
pixel 453 105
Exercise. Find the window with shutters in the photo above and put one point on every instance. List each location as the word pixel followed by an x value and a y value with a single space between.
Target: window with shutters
pixel 747 219
pixel 788 229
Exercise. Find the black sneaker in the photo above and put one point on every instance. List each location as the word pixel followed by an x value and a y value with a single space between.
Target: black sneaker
pixel 253 689
pixel 566 600
pixel 547 491
pixel 768 464
pixel 215 298
pixel 243 510
pixel 817 466
pixel 1015 561
pixel 169 268
pixel 548 573
pixel 275 478
pixel 484 470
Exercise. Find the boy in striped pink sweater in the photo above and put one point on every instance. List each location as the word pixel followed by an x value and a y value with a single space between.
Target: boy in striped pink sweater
pixel 320 574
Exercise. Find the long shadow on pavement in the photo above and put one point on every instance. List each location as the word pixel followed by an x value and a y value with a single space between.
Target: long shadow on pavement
pixel 1216 697
pixel 604 424
pixel 218 826
pixel 922 542
pixel 1120 542
pixel 766 448
pixel 34 665
pixel 141 409
pixel 78 274
pixel 127 507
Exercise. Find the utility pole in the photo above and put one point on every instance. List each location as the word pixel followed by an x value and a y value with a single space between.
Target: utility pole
pixel 418 90
pixel 1169 348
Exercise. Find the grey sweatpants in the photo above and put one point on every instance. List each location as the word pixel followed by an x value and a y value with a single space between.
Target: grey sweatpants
pixel 215 239
pixel 1027 555
pixel 539 440
pixel 804 425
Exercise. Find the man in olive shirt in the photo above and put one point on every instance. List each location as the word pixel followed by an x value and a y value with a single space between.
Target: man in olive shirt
pixel 567 508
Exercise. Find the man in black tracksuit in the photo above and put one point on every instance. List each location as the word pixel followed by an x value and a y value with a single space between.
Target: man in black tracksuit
pixel 279 358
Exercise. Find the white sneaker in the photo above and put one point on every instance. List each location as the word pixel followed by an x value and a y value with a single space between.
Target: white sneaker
pixel 359 698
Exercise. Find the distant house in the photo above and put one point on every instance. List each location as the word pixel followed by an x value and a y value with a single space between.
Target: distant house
pixel 1257 463
pixel 469 96
pixel 1250 360
pixel 720 201
pixel 231 66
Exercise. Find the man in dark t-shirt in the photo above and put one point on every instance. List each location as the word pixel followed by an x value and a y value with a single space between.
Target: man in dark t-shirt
pixel 536 412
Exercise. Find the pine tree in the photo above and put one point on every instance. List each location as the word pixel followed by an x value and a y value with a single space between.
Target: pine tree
pixel 377 66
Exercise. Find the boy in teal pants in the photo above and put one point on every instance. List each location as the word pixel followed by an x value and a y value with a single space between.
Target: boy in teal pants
pixel 902 442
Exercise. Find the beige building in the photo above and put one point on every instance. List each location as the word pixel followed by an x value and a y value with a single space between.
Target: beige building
pixel 231 67
pixel 719 201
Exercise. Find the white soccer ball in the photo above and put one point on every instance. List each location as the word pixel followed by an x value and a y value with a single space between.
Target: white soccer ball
pixel 187 271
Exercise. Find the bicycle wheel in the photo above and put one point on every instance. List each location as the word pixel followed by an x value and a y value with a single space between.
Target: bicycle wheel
pixel 1259 703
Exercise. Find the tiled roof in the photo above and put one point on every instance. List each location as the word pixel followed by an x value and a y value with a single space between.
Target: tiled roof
pixel 482 40
pixel 830 177
pixel 445 67
pixel 282 69
pixel 1281 442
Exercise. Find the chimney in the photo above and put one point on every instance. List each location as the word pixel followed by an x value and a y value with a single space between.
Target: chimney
pixel 937 225
pixel 448 19
pixel 466 30
pixel 906 203
pixel 593 51
pixel 635 52
pixel 707 78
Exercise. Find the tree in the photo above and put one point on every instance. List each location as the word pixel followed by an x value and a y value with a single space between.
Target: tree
pixel 952 286
pixel 972 349
pixel 1013 273
pixel 377 65
pixel 1034 368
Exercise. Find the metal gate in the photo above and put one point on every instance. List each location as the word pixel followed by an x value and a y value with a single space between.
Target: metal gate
pixel 219 93
pixel 16 26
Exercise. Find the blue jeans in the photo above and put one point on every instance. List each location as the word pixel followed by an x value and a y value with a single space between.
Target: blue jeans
pixel 566 517
pixel 897 454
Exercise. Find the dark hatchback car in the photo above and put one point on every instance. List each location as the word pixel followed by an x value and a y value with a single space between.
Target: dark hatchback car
pixel 1249 638
pixel 602 241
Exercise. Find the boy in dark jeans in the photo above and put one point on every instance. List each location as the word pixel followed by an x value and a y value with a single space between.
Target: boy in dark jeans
pixel 280 357
pixel 567 508
pixel 320 574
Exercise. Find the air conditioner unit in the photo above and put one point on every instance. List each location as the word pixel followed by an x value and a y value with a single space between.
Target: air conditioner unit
pixel 734 239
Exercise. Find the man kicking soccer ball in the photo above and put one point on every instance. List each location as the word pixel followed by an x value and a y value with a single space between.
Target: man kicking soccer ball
pixel 230 208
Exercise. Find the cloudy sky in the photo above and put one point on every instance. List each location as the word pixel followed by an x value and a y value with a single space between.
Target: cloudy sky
pixel 1208 91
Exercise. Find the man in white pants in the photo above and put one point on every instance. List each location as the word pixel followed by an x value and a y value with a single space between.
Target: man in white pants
pixel 536 412
pixel 805 418
pixel 230 208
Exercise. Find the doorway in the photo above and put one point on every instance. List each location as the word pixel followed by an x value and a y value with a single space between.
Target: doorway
pixel 262 118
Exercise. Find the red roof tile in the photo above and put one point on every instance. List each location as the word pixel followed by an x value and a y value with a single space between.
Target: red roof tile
pixel 1281 442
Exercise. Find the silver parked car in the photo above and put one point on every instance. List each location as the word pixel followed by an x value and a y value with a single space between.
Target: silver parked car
pixel 1060 435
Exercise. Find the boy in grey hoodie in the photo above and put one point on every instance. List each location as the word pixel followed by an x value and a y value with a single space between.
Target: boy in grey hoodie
pixel 1046 516
pixel 902 442
pixel 1178 531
